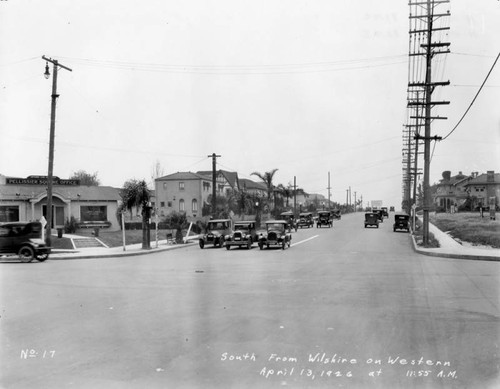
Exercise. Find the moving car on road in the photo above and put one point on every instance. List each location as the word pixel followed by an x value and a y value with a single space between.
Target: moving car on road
pixel 23 239
pixel 276 235
pixel 401 222
pixel 244 234
pixel 305 219
pixel 371 219
pixel 380 215
pixel 216 233
pixel 290 219
pixel 324 219
pixel 384 212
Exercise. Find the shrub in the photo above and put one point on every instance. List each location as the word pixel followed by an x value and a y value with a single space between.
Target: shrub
pixel 70 226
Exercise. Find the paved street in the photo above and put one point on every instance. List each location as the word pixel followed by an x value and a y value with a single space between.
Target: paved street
pixel 345 307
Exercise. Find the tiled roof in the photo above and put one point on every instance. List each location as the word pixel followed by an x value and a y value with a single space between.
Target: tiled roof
pixel 482 179
pixel 249 184
pixel 182 176
pixel 231 177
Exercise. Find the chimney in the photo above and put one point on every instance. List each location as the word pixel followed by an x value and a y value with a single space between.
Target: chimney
pixel 490 176
pixel 446 175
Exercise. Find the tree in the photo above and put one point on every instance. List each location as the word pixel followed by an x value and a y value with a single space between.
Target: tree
pixel 135 194
pixel 86 178
pixel 267 179
pixel 157 171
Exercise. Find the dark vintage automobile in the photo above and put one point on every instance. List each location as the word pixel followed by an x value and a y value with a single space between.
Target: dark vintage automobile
pixel 391 209
pixel 384 212
pixel 372 219
pixel 23 239
pixel 401 222
pixel 243 235
pixel 276 234
pixel 336 214
pixel 380 214
pixel 216 233
pixel 305 220
pixel 324 219
pixel 290 219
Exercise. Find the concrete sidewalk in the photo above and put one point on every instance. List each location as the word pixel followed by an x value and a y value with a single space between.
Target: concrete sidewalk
pixel 450 248
pixel 107 252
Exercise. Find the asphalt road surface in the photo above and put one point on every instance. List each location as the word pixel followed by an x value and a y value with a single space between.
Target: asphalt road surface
pixel 345 307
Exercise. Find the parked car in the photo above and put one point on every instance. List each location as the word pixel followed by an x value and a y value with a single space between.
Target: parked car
pixel 372 219
pixel 290 219
pixel 216 233
pixel 23 239
pixel 384 212
pixel 305 219
pixel 336 214
pixel 244 234
pixel 324 219
pixel 391 208
pixel 276 234
pixel 401 222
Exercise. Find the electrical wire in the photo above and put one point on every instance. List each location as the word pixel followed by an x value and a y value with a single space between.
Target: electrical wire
pixel 474 99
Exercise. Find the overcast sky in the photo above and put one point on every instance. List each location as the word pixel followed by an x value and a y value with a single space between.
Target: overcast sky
pixel 308 87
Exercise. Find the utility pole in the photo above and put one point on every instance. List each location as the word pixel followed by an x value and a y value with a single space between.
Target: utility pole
pixel 354 201
pixel 294 196
pixel 423 12
pixel 350 198
pixel 347 200
pixel 56 67
pixel 329 195
pixel 214 181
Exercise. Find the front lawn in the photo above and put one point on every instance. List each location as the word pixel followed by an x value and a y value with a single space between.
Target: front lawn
pixel 469 227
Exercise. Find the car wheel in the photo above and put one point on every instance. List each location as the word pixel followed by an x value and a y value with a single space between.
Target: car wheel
pixel 202 244
pixel 221 241
pixel 261 245
pixel 249 245
pixel 42 257
pixel 228 247
pixel 394 229
pixel 283 244
pixel 26 254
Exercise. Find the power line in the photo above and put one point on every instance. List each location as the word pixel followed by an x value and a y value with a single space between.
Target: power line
pixel 474 99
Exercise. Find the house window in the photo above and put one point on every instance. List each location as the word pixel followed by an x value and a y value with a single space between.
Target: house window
pixel 181 186
pixel 162 204
pixel 206 186
pixel 194 205
pixel 169 204
pixel 164 185
pixel 93 213
pixel 182 206
pixel 9 214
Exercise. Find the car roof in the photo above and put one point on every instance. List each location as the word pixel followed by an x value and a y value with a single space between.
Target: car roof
pixel 15 224
pixel 276 222
pixel 219 220
pixel 286 213
pixel 245 222
pixel 306 213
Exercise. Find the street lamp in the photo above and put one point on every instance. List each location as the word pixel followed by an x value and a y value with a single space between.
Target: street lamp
pixel 57 65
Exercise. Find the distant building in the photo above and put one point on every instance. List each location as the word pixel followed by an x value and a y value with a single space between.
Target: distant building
pixel 25 199
pixel 484 189
pixel 451 191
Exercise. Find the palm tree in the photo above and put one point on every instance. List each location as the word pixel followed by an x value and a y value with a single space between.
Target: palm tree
pixel 267 178
pixel 135 194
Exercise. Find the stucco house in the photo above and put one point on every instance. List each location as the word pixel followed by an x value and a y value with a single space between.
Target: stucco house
pixel 484 189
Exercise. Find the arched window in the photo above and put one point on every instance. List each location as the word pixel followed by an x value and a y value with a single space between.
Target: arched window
pixel 182 206
pixel 194 205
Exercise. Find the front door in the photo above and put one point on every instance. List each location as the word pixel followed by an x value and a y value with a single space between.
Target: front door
pixel 57 215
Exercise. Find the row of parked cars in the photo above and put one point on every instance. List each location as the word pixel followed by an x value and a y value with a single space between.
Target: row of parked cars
pixel 222 232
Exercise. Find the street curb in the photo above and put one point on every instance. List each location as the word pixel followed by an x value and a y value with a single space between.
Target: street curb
pixel 449 255
pixel 125 253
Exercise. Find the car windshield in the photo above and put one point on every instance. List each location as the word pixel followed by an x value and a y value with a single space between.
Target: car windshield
pixel 276 226
pixel 217 225
pixel 402 217
pixel 239 227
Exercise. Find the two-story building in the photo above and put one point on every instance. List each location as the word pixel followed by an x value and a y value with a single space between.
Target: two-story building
pixel 451 191
pixel 484 189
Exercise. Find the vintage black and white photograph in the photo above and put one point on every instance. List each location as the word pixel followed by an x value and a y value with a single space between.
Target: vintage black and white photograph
pixel 249 194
